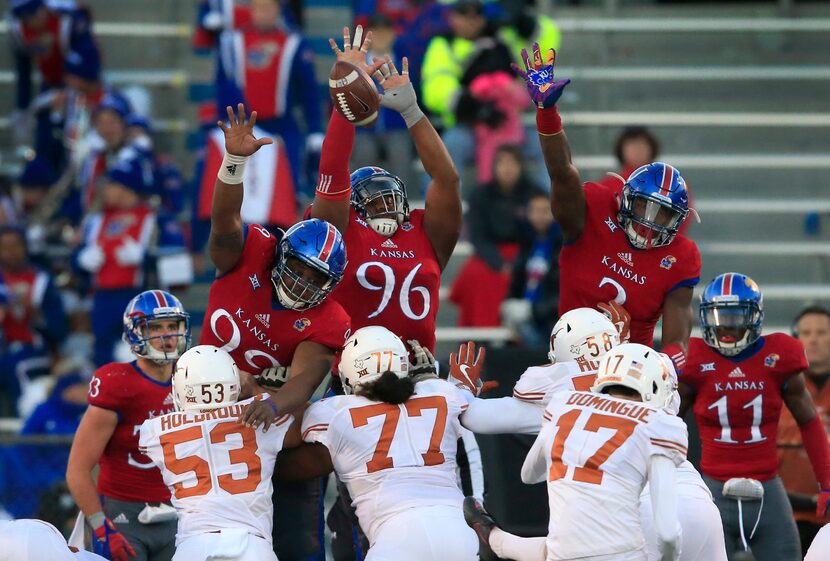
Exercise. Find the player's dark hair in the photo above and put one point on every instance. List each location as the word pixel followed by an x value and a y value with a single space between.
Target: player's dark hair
pixel 623 391
pixel 632 133
pixel 388 389
pixel 813 309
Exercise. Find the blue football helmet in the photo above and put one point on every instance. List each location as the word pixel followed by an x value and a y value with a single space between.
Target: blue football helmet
pixel 319 246
pixel 150 306
pixel 654 204
pixel 731 313
pixel 380 199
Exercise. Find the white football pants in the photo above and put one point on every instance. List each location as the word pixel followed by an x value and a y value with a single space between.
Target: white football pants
pixel 227 545
pixel 436 533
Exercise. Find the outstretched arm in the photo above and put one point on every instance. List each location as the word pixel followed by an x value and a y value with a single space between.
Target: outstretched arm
pixel 227 240
pixel 800 404
pixel 442 217
pixel 502 415
pixel 333 194
pixel 677 325
pixel 567 199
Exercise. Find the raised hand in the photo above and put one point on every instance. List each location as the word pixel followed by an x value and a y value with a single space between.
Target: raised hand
pixel 538 77
pixel 619 316
pixel 239 133
pixel 398 93
pixel 465 369
pixel 424 362
pixel 354 51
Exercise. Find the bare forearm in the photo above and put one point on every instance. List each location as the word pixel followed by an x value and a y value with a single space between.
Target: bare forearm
pixel 303 463
pixel 564 176
pixel 434 155
pixel 83 490
pixel 227 239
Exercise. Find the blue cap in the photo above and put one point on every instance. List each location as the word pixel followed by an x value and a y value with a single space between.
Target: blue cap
pixel 37 173
pixel 128 173
pixel 23 8
pixel 84 61
pixel 114 101
pixel 136 120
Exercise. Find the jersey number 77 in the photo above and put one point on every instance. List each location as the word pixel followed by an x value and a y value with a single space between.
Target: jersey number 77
pixel 391 415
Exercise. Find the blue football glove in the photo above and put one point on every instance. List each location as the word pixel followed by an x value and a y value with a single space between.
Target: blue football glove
pixel 823 503
pixel 111 544
pixel 538 77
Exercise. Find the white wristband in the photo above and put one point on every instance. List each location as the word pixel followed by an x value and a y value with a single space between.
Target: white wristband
pixel 232 169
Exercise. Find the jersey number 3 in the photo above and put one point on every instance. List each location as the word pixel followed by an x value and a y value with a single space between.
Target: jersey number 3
pixel 391 415
pixel 591 472
pixel 246 454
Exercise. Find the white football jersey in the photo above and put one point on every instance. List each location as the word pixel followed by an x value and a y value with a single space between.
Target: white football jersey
pixel 218 470
pixel 392 457
pixel 538 384
pixel 597 455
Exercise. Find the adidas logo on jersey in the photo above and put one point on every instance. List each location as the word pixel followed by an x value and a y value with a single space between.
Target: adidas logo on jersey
pixel 737 373
pixel 389 243
pixel 626 258
pixel 120 519
pixel 168 400
pixel 264 319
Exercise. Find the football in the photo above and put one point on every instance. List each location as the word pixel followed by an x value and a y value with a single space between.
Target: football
pixel 353 94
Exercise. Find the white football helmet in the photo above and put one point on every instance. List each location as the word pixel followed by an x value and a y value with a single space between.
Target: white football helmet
pixel 637 367
pixel 206 377
pixel 370 352
pixel 582 333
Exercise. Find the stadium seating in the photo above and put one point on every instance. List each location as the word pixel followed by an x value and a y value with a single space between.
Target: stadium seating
pixel 730 92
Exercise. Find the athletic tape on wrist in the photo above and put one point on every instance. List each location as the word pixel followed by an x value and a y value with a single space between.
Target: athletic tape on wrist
pixel 96 520
pixel 412 115
pixel 232 169
pixel 548 121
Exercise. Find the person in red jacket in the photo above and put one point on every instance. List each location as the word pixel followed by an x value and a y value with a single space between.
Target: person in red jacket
pixel 113 250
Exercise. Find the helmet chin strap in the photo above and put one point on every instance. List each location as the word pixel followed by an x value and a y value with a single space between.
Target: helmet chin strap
pixel 287 300
pixel 384 226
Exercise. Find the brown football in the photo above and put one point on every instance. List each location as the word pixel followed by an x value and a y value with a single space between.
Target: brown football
pixel 353 93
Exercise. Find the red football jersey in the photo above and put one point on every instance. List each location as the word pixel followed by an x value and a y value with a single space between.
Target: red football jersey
pixel 244 318
pixel 738 402
pixel 393 281
pixel 126 474
pixel 601 265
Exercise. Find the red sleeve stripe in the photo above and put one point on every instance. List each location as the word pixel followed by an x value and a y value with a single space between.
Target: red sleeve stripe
pixel 529 396
pixel 320 426
pixel 464 407
pixel 282 420
pixel 670 444
pixel 547 416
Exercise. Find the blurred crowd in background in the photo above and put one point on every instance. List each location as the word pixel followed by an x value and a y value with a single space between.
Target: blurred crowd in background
pixel 97 214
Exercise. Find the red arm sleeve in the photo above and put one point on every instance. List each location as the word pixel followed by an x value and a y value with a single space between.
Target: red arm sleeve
pixel 334 161
pixel 818 450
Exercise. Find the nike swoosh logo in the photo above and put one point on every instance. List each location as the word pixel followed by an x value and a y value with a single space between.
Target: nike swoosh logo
pixel 463 368
pixel 361 102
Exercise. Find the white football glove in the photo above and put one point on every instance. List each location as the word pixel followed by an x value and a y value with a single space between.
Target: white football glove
pixel 129 253
pixel 424 361
pixel 91 258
